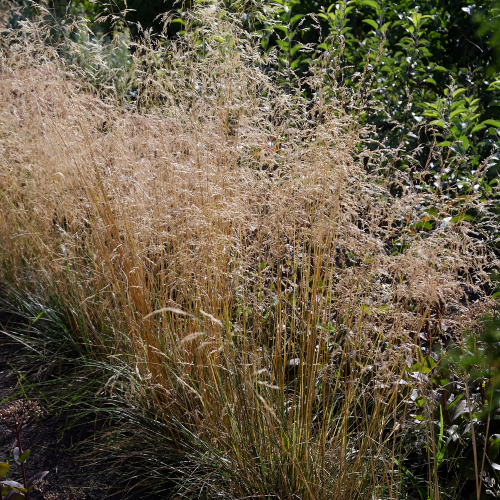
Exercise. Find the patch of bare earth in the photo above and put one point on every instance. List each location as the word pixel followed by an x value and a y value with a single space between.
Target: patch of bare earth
pixel 53 448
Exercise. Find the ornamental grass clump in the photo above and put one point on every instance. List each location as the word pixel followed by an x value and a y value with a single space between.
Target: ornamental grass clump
pixel 239 255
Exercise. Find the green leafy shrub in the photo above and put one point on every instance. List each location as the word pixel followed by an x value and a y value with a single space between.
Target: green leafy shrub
pixel 455 399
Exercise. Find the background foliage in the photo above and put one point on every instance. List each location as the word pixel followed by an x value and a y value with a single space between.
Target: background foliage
pixel 433 69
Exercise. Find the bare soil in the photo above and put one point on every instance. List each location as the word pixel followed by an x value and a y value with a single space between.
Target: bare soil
pixel 52 449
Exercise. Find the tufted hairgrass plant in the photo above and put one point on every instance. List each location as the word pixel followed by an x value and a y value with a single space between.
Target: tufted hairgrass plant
pixel 243 261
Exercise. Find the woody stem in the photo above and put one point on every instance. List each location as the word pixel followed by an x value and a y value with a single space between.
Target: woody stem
pixel 25 482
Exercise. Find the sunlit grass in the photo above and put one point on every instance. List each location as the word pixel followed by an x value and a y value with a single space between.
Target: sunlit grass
pixel 255 291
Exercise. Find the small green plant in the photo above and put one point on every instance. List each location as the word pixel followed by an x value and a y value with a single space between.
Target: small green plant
pixel 15 417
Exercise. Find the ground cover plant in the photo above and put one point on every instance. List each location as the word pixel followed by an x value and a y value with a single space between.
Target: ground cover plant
pixel 15 417
pixel 259 285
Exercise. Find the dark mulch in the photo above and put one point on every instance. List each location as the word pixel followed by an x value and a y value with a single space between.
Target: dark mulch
pixel 51 448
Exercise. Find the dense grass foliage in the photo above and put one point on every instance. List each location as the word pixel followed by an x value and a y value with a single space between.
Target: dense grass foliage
pixel 263 279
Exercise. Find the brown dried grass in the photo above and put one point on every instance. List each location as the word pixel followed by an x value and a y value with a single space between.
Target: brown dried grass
pixel 250 283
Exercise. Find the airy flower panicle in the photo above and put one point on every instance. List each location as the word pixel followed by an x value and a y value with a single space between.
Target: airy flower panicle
pixel 19 413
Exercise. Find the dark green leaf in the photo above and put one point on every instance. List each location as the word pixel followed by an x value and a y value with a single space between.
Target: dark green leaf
pixel 493 123
pixel 13 484
pixel 14 495
pixel 465 141
pixel 449 406
pixel 458 92
pixel 4 468
pixel 295 48
pixel 477 128
pixel 437 123
pixel 296 18
pixel 24 456
pixel 371 22
pixel 372 4
pixel 460 218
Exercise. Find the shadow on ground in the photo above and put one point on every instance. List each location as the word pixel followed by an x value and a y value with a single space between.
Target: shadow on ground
pixel 51 449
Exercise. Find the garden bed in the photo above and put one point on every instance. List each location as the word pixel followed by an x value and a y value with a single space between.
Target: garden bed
pixel 55 446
